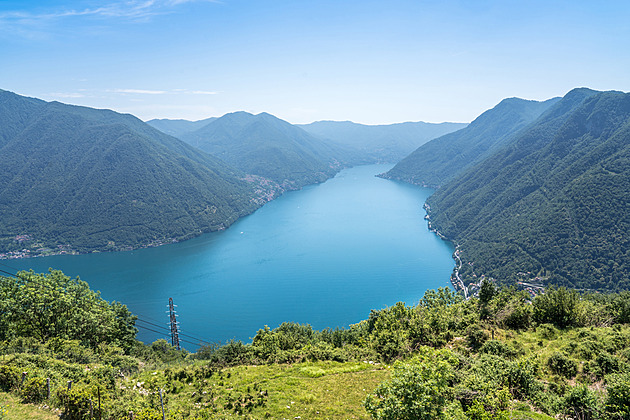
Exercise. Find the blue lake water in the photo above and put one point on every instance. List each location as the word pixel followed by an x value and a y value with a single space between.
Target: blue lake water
pixel 324 255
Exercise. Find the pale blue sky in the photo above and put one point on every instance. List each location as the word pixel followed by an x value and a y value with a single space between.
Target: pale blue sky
pixel 367 61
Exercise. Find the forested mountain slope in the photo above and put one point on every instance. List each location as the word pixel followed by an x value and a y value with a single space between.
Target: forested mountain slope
pixel 380 143
pixel 81 179
pixel 553 203
pixel 269 147
pixel 440 160
pixel 176 128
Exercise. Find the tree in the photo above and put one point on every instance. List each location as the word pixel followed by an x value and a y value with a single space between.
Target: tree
pixel 418 389
pixel 50 305
pixel 556 306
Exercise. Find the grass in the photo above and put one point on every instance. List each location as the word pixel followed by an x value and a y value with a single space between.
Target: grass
pixel 15 410
pixel 305 390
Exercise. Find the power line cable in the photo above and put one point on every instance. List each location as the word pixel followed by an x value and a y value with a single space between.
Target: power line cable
pixel 44 286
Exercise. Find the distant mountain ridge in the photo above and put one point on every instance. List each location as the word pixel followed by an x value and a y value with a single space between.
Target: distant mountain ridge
pixel 269 147
pixel 440 160
pixel 82 179
pixel 380 143
pixel 179 127
pixel 550 205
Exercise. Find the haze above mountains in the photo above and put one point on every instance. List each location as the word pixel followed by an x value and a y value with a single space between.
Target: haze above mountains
pixel 531 191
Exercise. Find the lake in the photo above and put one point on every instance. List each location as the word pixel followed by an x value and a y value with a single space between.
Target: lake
pixel 324 255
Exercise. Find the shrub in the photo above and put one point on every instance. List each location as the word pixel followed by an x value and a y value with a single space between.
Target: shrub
pixel 34 390
pixel 556 306
pixel 9 377
pixel 581 403
pixel 521 378
pixel 231 354
pixel 76 402
pixel 617 404
pixel 475 336
pixel 562 365
pixel 497 348
pixel 547 331
pixel 418 390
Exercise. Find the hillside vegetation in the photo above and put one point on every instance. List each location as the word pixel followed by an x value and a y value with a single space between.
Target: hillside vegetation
pixel 440 160
pixel 498 356
pixel 552 204
pixel 81 179
pixel 266 146
pixel 176 128
pixel 379 143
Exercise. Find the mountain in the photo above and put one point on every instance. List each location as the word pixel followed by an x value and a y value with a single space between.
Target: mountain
pixel 81 179
pixel 380 143
pixel 269 147
pixel 551 205
pixel 177 128
pixel 440 160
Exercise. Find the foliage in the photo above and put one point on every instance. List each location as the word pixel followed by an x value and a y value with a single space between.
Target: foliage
pixel 266 146
pixel 444 364
pixel 52 305
pixel 77 179
pixel 549 205
pixel 34 390
pixel 582 403
pixel 77 402
pixel 417 390
pixel 440 160
pixel 557 306
pixel 9 377
pixel 617 403
pixel 562 365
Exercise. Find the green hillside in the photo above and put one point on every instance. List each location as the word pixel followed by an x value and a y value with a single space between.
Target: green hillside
pixel 552 204
pixel 380 143
pixel 266 146
pixel 176 128
pixel 81 179
pixel 440 160
pixel 500 356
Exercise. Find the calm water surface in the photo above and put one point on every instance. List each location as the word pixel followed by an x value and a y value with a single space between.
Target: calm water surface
pixel 324 255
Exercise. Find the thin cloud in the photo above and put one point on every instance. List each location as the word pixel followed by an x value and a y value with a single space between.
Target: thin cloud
pixel 203 92
pixel 132 9
pixel 141 91
pixel 164 92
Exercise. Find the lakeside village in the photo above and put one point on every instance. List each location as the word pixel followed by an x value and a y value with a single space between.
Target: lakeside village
pixel 38 250
pixel 269 191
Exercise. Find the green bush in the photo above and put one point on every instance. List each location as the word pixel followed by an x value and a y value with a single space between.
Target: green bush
pixel 76 402
pixel 34 390
pixel 475 337
pixel 556 306
pixel 617 404
pixel 9 377
pixel 562 365
pixel 418 389
pixel 148 414
pixel 581 403
pixel 498 348
pixel 547 331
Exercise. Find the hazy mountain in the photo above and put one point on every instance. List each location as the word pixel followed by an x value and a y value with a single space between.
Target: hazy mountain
pixel 95 179
pixel 177 128
pixel 552 202
pixel 269 147
pixel 380 143
pixel 441 159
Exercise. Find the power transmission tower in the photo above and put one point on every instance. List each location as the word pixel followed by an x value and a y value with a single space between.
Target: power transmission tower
pixel 174 329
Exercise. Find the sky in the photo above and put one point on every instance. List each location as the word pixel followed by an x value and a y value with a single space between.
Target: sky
pixel 371 62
